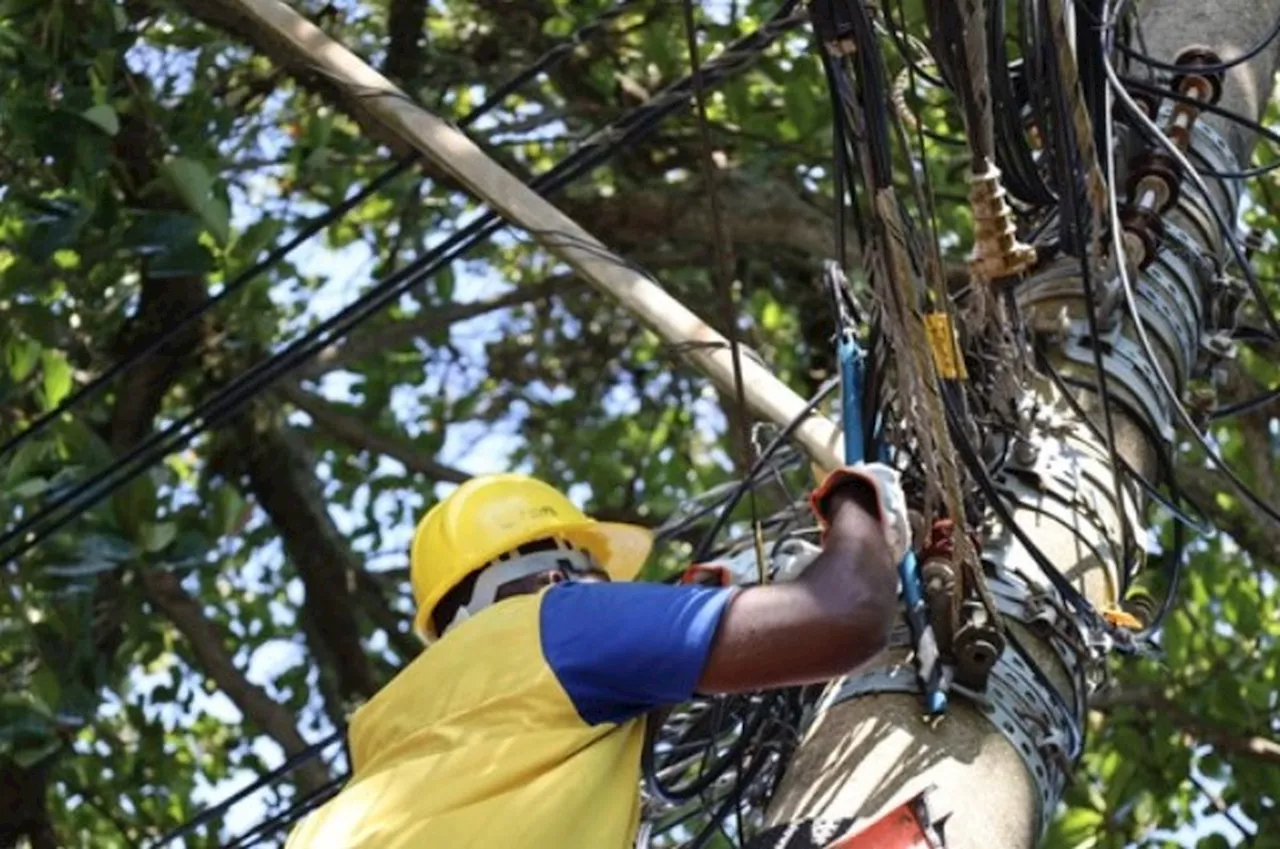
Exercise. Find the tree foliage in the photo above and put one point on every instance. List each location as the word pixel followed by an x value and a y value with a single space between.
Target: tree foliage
pixel 234 602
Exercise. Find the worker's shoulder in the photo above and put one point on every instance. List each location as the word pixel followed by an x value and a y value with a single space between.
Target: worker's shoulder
pixel 499 638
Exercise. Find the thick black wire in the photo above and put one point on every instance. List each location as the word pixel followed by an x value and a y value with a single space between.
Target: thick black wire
pixel 982 477
pixel 210 813
pixel 896 30
pixel 1013 154
pixel 703 551
pixel 255 379
pixel 1074 222
pixel 1130 299
pixel 752 721
pixel 290 815
pixel 177 325
pixel 742 781
pixel 1032 71
pixel 1093 83
pixel 1144 125
pixel 1218 68
pixel 1248 405
pixel 1147 486
pixel 183 321
pixel 1235 117
pixel 723 274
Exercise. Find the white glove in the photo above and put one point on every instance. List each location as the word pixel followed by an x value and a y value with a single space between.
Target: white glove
pixel 892 504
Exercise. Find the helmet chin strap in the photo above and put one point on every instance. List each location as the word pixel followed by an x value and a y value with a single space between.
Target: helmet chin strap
pixel 512 568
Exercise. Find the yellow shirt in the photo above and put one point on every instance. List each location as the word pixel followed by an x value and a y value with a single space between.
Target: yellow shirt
pixel 521 728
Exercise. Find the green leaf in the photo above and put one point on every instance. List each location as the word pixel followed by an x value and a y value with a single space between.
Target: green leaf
pixel 155 232
pixel 21 356
pixel 227 507
pixel 29 757
pixel 103 117
pixel 187 260
pixel 193 183
pixel 107 547
pixel 24 461
pixel 156 536
pixel 57 377
pixel 45 687
pixel 1078 828
pixel 49 233
pixel 30 488
pixel 134 504
pixel 254 239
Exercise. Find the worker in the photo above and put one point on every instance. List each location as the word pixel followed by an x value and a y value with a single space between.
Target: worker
pixel 521 725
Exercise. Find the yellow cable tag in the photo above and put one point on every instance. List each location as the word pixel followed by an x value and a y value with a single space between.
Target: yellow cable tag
pixel 1121 618
pixel 945 347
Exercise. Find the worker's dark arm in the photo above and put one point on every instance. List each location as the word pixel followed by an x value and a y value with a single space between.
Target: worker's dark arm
pixel 833 618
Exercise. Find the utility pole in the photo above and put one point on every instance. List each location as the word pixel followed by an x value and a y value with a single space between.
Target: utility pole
pixel 997 772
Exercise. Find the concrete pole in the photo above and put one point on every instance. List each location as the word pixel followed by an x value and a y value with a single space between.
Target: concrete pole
pixel 863 757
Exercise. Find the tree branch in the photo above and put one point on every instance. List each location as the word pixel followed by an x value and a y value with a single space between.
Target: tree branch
pixel 166 593
pixel 765 214
pixel 1152 701
pixel 405 22
pixel 375 604
pixel 224 16
pixel 1253 530
pixel 361 436
pixel 283 480
pixel 386 337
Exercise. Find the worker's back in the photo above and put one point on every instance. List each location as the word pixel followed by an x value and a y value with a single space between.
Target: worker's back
pixel 478 742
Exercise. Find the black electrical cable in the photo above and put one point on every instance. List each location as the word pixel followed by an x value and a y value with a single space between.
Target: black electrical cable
pixel 1013 154
pixel 208 814
pixel 1093 83
pixel 743 780
pixel 1130 300
pixel 1031 76
pixel 875 102
pixel 623 133
pixel 949 50
pixel 1073 225
pixel 896 30
pixel 290 815
pixel 1235 117
pixel 176 325
pixel 708 775
pixel 1216 68
pixel 183 321
pixel 1176 565
pixel 982 477
pixel 1132 473
pixel 1246 406
pixel 1148 127
pixel 703 550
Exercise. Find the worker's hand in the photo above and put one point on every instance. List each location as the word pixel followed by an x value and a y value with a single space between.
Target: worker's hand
pixel 890 505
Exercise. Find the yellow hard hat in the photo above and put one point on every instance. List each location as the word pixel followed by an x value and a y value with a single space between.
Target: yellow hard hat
pixel 491 515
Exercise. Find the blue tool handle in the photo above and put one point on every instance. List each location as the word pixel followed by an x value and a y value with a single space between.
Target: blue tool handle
pixel 850 357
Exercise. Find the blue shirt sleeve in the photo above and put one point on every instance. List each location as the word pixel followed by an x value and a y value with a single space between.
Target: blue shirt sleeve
pixel 620 650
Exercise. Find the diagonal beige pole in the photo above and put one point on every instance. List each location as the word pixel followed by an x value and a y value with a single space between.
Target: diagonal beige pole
pixel 450 150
